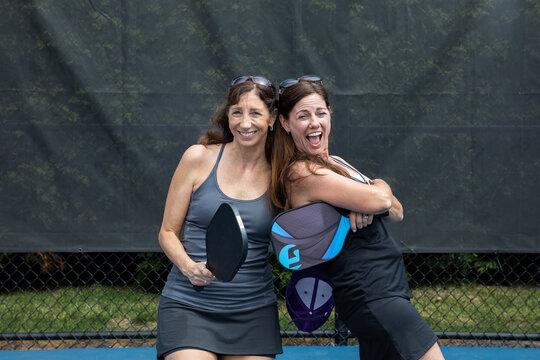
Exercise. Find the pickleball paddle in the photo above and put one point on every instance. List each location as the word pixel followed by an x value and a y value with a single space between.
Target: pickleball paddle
pixel 226 243
pixel 309 235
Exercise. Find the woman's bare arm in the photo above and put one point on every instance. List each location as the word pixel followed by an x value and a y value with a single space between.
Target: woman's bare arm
pixel 322 184
pixel 182 184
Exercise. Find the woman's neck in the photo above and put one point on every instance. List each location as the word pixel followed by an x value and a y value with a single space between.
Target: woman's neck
pixel 247 156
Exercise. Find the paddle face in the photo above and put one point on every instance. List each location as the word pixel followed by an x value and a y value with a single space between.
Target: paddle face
pixel 308 235
pixel 226 243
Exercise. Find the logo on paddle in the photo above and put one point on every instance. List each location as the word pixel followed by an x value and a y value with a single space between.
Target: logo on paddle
pixel 288 256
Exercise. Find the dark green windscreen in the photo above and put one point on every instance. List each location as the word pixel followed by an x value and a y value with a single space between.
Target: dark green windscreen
pixel 98 100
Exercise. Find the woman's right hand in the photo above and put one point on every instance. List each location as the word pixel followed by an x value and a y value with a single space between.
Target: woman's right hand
pixel 198 274
pixel 359 221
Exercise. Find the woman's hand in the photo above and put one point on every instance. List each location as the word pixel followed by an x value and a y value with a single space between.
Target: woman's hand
pixel 198 274
pixel 395 213
pixel 359 221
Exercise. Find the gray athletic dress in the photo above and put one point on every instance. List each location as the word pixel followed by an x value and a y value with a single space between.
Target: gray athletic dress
pixel 234 318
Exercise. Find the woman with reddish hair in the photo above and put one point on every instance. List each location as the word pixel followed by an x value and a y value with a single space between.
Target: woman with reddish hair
pixel 370 287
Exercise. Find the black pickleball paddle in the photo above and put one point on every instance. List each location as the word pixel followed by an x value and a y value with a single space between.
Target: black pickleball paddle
pixel 226 243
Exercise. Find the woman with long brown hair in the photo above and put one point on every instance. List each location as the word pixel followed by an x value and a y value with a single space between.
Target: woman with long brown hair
pixel 369 278
pixel 237 320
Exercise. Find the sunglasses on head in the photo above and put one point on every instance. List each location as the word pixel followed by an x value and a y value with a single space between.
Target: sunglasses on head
pixel 260 80
pixel 290 82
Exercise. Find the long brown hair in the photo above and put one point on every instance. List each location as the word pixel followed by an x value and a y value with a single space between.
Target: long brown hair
pixel 284 151
pixel 219 132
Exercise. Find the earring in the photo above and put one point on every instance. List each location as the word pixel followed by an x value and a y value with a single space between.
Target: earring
pixel 271 127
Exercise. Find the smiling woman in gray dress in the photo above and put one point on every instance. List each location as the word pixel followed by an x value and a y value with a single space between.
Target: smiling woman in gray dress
pixel 237 320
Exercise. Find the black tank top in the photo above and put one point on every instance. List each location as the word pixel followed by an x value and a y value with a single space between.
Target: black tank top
pixel 369 267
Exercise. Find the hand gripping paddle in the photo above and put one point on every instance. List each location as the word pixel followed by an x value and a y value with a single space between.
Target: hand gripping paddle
pixel 226 243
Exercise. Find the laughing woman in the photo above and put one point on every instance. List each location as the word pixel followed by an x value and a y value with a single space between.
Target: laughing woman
pixel 370 286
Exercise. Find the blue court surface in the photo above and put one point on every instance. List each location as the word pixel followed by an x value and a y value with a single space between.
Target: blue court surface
pixel 290 353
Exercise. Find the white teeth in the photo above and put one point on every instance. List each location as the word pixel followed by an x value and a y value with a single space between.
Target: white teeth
pixel 247 133
pixel 315 137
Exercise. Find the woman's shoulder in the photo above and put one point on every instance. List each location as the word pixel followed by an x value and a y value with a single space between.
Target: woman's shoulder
pixel 306 168
pixel 197 155
pixel 197 162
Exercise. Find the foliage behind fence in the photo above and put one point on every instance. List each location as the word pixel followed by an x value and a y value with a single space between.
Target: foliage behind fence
pixel 51 299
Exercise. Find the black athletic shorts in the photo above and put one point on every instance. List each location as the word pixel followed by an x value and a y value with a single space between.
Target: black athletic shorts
pixel 390 329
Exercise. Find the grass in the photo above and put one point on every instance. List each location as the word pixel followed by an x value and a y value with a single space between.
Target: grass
pixel 475 308
pixel 480 308
pixel 95 308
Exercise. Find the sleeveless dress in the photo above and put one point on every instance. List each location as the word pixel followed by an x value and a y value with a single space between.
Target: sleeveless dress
pixel 372 295
pixel 237 317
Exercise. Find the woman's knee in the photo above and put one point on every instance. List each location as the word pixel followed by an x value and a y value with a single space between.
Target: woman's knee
pixel 191 354
pixel 434 353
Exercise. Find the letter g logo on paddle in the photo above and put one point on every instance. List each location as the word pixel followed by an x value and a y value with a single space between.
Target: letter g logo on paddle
pixel 289 256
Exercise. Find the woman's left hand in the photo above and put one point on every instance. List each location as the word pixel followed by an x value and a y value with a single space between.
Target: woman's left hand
pixel 359 221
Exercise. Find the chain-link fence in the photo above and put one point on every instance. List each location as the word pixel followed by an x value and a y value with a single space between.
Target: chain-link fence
pixel 52 300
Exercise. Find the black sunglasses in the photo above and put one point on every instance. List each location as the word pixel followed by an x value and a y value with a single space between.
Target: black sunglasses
pixel 261 80
pixel 290 82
